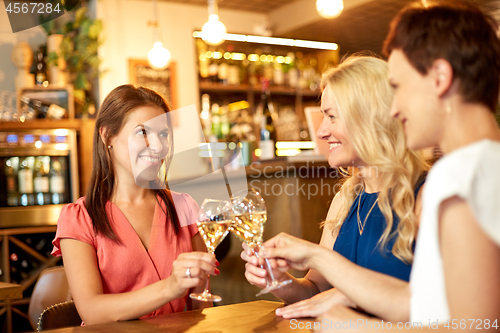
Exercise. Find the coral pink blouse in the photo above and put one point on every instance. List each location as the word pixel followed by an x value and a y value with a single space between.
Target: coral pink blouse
pixel 129 266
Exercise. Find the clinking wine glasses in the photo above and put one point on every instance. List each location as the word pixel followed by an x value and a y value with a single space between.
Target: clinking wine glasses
pixel 214 221
pixel 250 215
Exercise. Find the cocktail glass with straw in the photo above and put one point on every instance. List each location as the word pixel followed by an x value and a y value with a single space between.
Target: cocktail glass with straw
pixel 249 218
pixel 214 220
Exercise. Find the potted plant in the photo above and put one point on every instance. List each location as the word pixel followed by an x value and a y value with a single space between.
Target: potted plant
pixel 78 49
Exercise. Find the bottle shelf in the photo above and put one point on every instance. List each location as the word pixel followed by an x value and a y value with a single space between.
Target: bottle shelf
pixel 23 245
pixel 42 124
pixel 245 88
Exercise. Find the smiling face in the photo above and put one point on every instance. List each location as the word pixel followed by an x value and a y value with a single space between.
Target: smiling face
pixel 416 103
pixel 333 130
pixel 142 145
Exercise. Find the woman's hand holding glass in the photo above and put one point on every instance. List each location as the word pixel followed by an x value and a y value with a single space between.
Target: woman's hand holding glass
pixel 298 253
pixel 198 264
pixel 254 271
pixel 214 221
pixel 250 216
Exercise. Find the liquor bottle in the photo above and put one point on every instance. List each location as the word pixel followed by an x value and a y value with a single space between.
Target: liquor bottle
pixel 216 124
pixel 213 70
pixel 252 74
pixel 44 110
pixel 41 181
pixel 204 62
pixel 225 126
pixel 233 72
pixel 56 181
pixel 278 75
pixel 25 176
pixel 267 72
pixel 291 72
pixel 267 126
pixel 223 72
pixel 40 68
pixel 205 116
pixel 10 174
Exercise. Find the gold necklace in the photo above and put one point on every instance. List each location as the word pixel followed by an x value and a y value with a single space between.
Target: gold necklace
pixel 361 226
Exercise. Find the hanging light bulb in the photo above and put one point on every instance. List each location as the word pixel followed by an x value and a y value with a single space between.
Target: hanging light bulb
pixel 330 8
pixel 213 31
pixel 158 56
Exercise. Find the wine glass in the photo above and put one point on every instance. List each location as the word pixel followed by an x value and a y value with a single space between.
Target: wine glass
pixel 250 215
pixel 214 220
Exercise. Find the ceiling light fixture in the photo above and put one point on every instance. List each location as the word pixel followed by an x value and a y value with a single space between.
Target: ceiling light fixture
pixel 214 30
pixel 158 56
pixel 276 41
pixel 329 8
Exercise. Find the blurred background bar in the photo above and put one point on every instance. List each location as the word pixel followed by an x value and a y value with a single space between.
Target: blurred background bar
pixel 255 90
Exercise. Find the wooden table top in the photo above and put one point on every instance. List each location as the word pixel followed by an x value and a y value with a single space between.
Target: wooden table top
pixel 10 291
pixel 255 316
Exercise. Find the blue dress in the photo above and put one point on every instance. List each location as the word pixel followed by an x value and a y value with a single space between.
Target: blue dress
pixel 364 249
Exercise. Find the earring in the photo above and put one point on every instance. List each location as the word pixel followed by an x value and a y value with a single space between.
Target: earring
pixel 109 147
pixel 448 108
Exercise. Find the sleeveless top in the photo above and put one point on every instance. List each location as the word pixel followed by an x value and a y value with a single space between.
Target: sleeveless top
pixel 364 249
pixel 471 173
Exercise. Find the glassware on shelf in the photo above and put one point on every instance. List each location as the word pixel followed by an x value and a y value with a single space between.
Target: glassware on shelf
pixel 250 216
pixel 27 111
pixel 8 108
pixel 214 221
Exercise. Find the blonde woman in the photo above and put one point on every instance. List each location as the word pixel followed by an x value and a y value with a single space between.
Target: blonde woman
pixel 372 223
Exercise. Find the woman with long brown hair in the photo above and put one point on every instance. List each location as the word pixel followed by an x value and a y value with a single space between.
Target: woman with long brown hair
pixel 128 244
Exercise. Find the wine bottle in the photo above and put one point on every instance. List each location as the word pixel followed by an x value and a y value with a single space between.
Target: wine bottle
pixel 278 75
pixel 41 68
pixel 225 126
pixel 216 121
pixel 267 126
pixel 10 174
pixel 223 72
pixel 213 70
pixel 44 110
pixel 56 181
pixel 41 181
pixel 25 176
pixel 233 73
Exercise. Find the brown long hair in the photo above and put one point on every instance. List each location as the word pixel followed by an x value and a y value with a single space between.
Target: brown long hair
pixel 112 114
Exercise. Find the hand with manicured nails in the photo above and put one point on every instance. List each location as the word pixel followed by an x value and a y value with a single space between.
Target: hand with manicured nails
pixel 199 263
pixel 254 271
pixel 298 253
pixel 314 306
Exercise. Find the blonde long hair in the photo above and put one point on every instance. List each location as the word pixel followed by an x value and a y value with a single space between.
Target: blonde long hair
pixel 363 94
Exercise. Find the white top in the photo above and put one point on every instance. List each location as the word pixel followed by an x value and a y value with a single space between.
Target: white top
pixel 472 173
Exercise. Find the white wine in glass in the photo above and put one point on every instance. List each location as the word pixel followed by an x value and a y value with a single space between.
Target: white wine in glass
pixel 249 227
pixel 214 221
pixel 250 216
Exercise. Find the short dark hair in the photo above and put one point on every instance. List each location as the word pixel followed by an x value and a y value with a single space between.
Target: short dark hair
pixel 457 32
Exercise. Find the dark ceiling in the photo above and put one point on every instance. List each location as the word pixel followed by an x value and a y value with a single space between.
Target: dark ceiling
pixel 361 28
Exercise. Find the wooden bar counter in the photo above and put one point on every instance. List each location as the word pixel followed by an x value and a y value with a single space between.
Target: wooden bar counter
pixel 10 291
pixel 255 316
